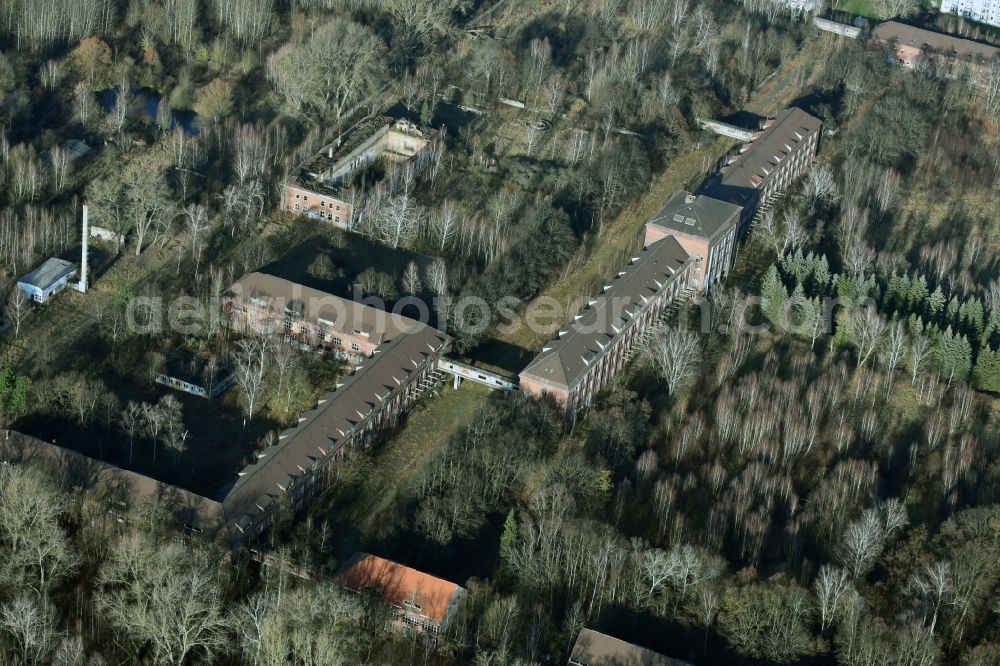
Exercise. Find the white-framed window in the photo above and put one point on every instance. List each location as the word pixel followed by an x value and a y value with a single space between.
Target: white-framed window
pixel 298 207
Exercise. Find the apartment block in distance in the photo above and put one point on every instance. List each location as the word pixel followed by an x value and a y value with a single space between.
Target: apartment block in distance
pixel 778 153
pixel 422 604
pixel 318 188
pixel 983 11
pixel 592 348
pixel 265 304
pixel 705 228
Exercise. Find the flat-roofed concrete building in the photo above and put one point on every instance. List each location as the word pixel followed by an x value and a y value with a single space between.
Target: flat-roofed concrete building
pixel 264 304
pixel 592 648
pixel 421 603
pixel 705 228
pixel 763 167
pixel 592 348
pixel 317 188
pixel 947 54
pixel 48 279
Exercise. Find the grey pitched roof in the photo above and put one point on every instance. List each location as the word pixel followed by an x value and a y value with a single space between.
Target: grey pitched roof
pixel 564 360
pixel 320 432
pixel 340 314
pixel 935 41
pixel 325 429
pixel 759 157
pixel 700 216
pixel 50 272
pixel 593 648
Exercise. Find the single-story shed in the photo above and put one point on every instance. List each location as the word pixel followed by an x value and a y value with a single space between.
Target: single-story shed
pixel 48 279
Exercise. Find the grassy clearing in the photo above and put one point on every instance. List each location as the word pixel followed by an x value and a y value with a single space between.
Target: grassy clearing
pixel 385 479
pixel 866 8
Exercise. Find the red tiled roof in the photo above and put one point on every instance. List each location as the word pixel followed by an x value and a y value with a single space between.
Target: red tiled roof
pixel 399 585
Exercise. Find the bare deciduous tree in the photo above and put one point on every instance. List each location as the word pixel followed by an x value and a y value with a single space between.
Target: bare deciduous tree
pixel 411 278
pixel 131 422
pixel 248 19
pixel 795 233
pixel 31 627
pixel 37 553
pixel 933 584
pixel 862 543
pixel 859 258
pixel 59 162
pixel 251 359
pixel 821 185
pixel 893 515
pixel 163 596
pixel 887 191
pixel 990 86
pixel 196 217
pixel 153 421
pixel 920 350
pixel 867 329
pixel 899 8
pixel 893 351
pixel 338 66
pixel 84 107
pixel 554 91
pixel 676 354
pixel 119 112
pixel 830 587
pixel 444 225
pixel 18 308
pixel 657 569
pixel 398 221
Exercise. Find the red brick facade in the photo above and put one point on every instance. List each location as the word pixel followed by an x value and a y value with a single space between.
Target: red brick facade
pixel 592 348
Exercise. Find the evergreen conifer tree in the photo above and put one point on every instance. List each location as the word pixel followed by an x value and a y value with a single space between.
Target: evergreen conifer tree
pixel 918 293
pixel 986 376
pixel 773 295
pixel 935 303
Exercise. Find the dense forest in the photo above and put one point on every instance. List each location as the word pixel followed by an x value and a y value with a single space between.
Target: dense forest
pixel 803 470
